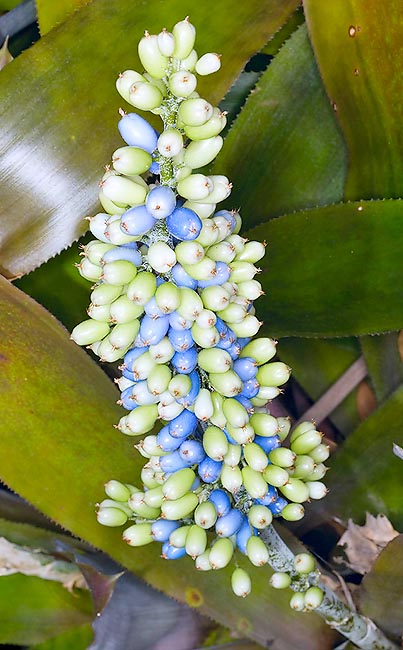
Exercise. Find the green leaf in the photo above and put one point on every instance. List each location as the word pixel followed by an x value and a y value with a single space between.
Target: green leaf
pixel 33 609
pixel 359 47
pixel 384 363
pixel 6 5
pixel 52 13
pixel 34 537
pixel 331 359
pixel 54 147
pixel 63 429
pixel 365 475
pixel 59 287
pixel 328 267
pixel 284 151
pixel 381 591
pixel 78 638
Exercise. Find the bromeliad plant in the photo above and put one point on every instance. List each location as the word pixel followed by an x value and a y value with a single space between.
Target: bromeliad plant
pixel 174 299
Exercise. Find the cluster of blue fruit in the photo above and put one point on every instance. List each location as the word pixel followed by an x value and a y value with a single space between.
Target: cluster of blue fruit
pixel 173 297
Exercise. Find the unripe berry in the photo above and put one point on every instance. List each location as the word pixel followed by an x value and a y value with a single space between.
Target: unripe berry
pixel 138 535
pixel 313 598
pixel 184 35
pixel 215 443
pixel 280 580
pixel 221 553
pixel 254 483
pixel 255 457
pixel 231 478
pixel 256 551
pixel 179 508
pixel 182 83
pixel 292 512
pixel 202 152
pixel 304 563
pixel 125 81
pixel 297 601
pixel 178 484
pixel 89 331
pixel 260 516
pixel 150 56
pixel 161 257
pixel 205 515
pixel 241 583
pixel 195 112
pixel 196 541
pixel 111 516
pixel 306 442
pixel 170 143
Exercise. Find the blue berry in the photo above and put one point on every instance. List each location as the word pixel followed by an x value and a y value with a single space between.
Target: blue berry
pixel 221 501
pixel 184 224
pixel 162 528
pixel 209 470
pixel 137 132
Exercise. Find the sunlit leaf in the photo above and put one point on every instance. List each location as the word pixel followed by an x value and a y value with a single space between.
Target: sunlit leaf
pixel 381 592
pixel 328 267
pixel 52 13
pixel 78 638
pixel 33 609
pixel 359 47
pixel 55 144
pixel 76 452
pixel 285 151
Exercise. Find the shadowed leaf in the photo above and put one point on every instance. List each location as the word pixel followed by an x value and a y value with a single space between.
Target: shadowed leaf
pixel 284 152
pixel 365 39
pixel 33 609
pixel 51 155
pixel 327 267
pixel 381 592
pixel 78 638
pixel 384 363
pixel 83 451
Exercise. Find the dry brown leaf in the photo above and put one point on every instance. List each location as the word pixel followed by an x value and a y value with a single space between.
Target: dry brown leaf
pixel 5 55
pixel 362 544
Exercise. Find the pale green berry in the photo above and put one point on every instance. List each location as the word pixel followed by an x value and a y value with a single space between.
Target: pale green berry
pixel 111 517
pixel 154 496
pixel 158 379
pixel 131 160
pixel 242 271
pixel 162 352
pixel 280 580
pixel 306 442
pixel 303 467
pixel 273 374
pixel 276 476
pixel 195 112
pixel 241 582
pixel 233 313
pixel 251 289
pixel 196 541
pixel 316 489
pixel 117 490
pixel 215 443
pixel 235 413
pixel 248 327
pixel 142 366
pixel 216 361
pixel 142 288
pixel 206 318
pixel 233 455
pixel 202 562
pixel 120 505
pixel 95 250
pixel 170 143
pixel 282 457
pixel 284 423
pixel 255 457
pixel 189 63
pixel 125 81
pixel 293 512
pixel 122 336
pixel 231 478
pixel 178 484
pixel 254 483
pixel 261 349
pixel 180 385
pixel 147 476
pixel 222 252
pixel 195 187
pixel 295 490
pixel 320 453
pixel 151 57
pixel 252 252
pixel 161 257
pixel 89 271
pixel 142 419
pixel 184 34
pixel 208 234
pixel 256 551
pixel 264 424
pixel 89 331
pixel 203 337
pixel 105 294
pixel 205 515
pixel 227 383
pixel 150 445
pixel 303 427
pixel 215 298
pixel 202 152
pixel 241 435
pixel 119 272
pixel 313 598
pixel 189 252
pixel 208 63
pixel 317 473
pixel 169 411
pixel 110 353
pixel 138 535
pixel 116 236
pixel 123 190
pixel 111 208
pixel 260 517
pixel 304 563
pixel 123 310
pixel 179 508
pixel 167 297
pixel 221 553
pixel 267 393
pixel 101 313
pixel 209 129
pixel 182 83
pixel 203 406
pixel 297 601
pixel 178 536
pixel 218 418
pixel 221 190
pixel 191 304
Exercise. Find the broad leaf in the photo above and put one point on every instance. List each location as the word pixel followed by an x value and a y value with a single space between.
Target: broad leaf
pixel 52 13
pixel 332 359
pixel 365 475
pixel 55 143
pixel 381 591
pixel 359 47
pixel 64 430
pixel 33 609
pixel 384 363
pixel 284 151
pixel 333 271
pixel 78 638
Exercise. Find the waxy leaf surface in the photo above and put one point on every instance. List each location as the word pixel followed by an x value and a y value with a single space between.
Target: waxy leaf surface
pixel 61 130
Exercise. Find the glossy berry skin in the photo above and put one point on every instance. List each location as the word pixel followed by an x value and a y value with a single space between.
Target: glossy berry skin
pixel 209 470
pixel 221 501
pixel 229 524
pixel 162 528
pixel 137 132
pixel 184 224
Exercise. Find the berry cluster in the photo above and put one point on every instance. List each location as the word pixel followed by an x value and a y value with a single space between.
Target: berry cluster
pixel 174 299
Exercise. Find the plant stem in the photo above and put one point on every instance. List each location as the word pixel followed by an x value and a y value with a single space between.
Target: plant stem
pixel 360 630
